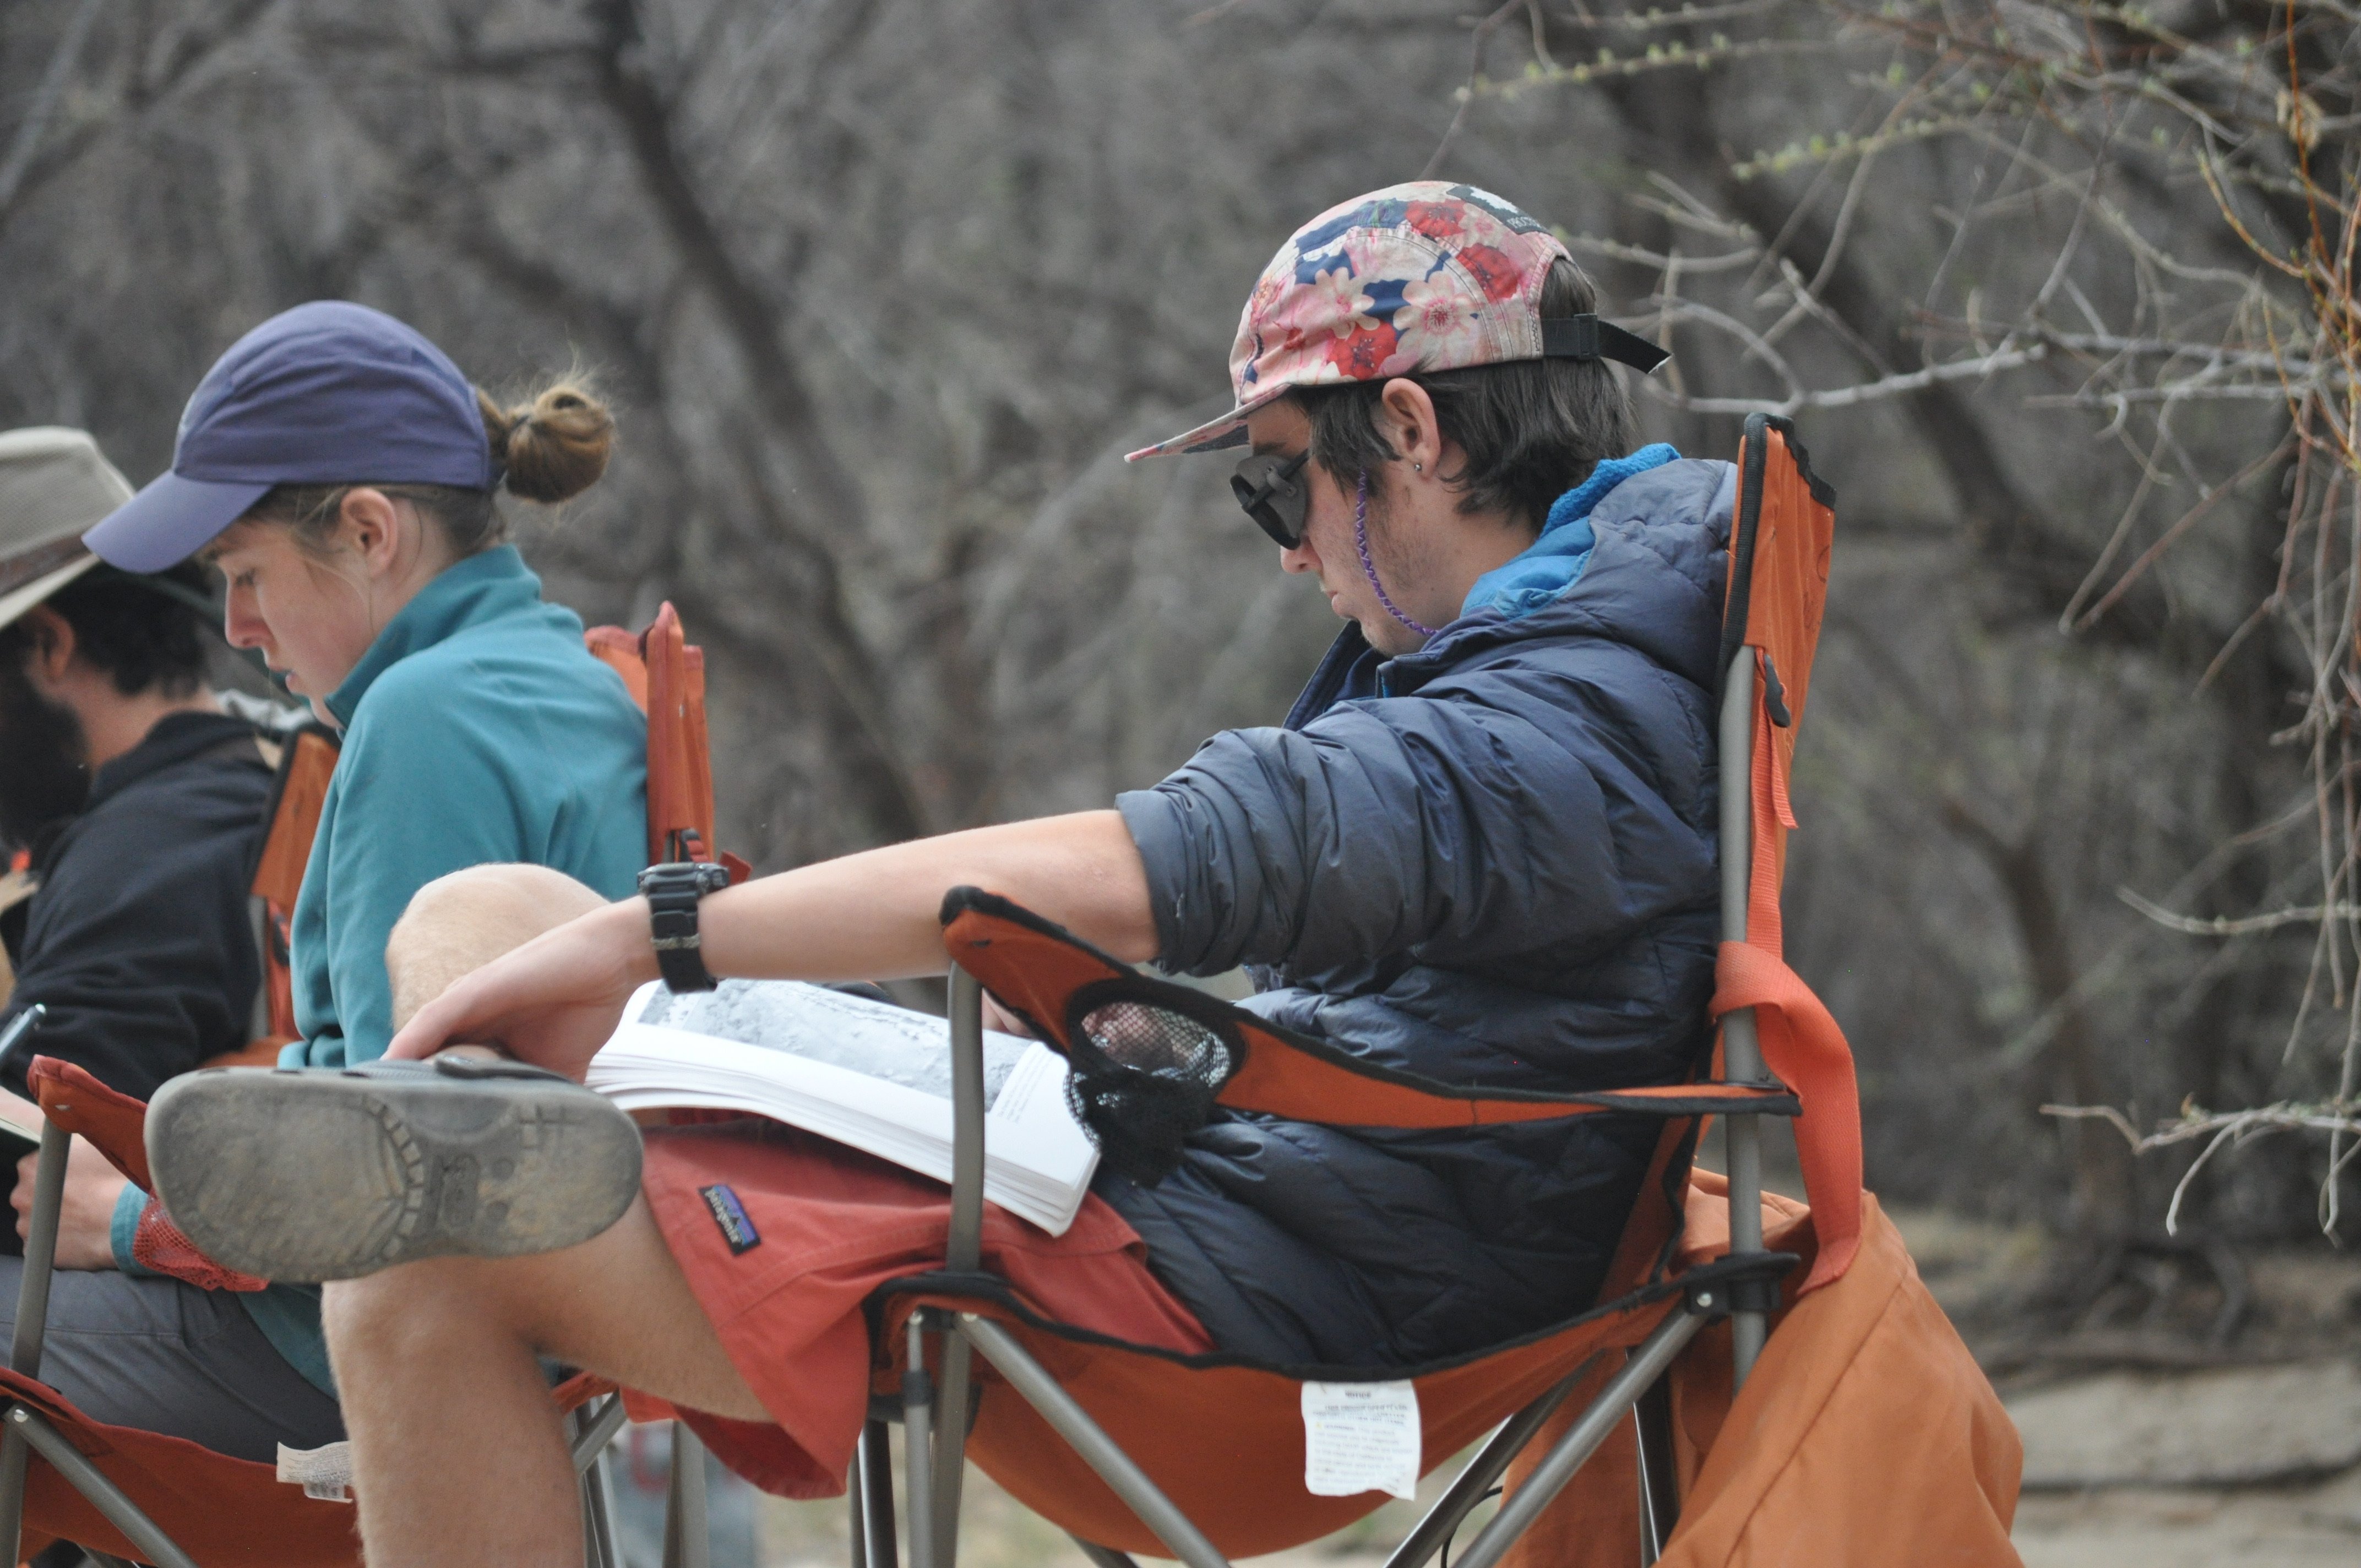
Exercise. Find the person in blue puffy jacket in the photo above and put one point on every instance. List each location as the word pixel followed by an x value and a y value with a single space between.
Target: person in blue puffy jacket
pixel 1481 847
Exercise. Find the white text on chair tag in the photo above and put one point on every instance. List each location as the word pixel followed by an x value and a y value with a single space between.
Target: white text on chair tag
pixel 322 1472
pixel 1360 1437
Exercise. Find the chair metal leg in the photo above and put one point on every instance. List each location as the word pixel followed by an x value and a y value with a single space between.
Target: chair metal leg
pixel 1475 1482
pixel 688 1538
pixel 1100 1452
pixel 917 1433
pixel 32 1323
pixel 875 1465
pixel 1582 1440
pixel 101 1560
pixel 1104 1556
pixel 958 1391
pixel 590 1434
pixel 963 1252
pixel 856 1529
pixel 597 1520
pixel 153 1544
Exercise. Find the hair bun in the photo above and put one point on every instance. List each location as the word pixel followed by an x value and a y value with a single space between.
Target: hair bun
pixel 553 447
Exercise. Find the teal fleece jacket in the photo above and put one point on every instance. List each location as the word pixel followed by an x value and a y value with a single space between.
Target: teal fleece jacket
pixel 476 729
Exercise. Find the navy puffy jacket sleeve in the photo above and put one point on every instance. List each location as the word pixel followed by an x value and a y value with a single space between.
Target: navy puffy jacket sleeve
pixel 1514 810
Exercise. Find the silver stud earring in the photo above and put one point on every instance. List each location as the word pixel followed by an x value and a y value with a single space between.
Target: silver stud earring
pixel 1418 467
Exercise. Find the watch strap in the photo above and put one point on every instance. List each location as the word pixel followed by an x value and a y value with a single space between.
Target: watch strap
pixel 673 892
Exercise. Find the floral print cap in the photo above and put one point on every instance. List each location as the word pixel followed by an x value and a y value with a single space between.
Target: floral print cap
pixel 1426 276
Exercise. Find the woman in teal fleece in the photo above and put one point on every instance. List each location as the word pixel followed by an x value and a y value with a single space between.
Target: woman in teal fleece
pixel 362 554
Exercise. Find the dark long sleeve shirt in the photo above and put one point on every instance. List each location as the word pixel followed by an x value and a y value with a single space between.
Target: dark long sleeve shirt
pixel 140 941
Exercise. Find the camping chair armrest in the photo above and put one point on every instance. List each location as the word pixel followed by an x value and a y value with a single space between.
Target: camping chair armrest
pixel 1063 988
pixel 110 1121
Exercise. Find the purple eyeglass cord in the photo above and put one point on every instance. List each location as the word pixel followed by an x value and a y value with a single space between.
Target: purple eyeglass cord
pixel 1368 567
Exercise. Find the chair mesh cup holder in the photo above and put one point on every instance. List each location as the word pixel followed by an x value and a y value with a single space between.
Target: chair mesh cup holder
pixel 1147 1063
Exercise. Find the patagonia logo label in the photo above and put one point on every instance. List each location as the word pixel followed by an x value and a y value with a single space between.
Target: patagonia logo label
pixel 731 1215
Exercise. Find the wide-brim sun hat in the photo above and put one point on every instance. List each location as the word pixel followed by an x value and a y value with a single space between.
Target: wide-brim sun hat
pixel 54 484
pixel 328 393
pixel 1416 278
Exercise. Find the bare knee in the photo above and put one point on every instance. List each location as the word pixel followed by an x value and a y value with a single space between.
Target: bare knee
pixel 457 923
pixel 376 1315
pixel 399 1311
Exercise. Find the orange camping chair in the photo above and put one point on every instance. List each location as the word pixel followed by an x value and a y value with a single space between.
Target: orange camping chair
pixel 120 1493
pixel 666 677
pixel 1202 1458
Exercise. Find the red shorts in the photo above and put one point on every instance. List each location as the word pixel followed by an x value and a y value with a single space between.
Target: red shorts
pixel 783 1235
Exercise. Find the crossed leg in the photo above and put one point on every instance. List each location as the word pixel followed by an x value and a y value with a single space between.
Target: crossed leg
pixel 458 1454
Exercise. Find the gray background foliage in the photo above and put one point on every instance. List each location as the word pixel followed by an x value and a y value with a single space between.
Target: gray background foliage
pixel 882 289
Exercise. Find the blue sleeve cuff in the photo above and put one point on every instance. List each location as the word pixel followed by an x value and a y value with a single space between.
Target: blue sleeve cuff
pixel 128 1206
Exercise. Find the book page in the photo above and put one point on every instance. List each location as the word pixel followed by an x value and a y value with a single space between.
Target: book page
pixel 866 1074
pixel 20 1120
pixel 874 1038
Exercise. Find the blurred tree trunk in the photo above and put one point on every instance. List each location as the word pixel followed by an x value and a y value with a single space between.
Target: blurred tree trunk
pixel 2099 1207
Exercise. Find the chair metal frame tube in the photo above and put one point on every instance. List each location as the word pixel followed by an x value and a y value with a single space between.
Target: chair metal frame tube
pixel 32 1319
pixel 965 1249
pixel 688 1539
pixel 593 1433
pixel 1100 1452
pixel 956 1391
pixel 597 1520
pixel 1468 1487
pixel 1581 1439
pixel 590 1434
pixel 153 1545
pixel 918 1434
pixel 1741 1051
pixel 876 1478
pixel 964 1254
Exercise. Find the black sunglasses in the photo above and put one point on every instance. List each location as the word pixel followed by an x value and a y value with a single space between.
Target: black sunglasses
pixel 1271 489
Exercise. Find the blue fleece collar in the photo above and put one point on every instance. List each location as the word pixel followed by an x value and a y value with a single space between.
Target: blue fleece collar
pixel 482 587
pixel 1555 561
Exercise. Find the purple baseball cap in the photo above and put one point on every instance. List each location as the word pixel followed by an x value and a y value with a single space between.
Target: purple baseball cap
pixel 328 393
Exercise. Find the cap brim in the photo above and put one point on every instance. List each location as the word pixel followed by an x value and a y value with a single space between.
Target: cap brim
pixel 169 522
pixel 1226 429
pixel 16 601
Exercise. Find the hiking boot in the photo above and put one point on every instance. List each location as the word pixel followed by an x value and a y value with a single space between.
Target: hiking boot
pixel 302 1175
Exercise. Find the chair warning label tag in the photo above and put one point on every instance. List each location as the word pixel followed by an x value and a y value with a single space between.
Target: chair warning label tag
pixel 1360 1437
pixel 324 1474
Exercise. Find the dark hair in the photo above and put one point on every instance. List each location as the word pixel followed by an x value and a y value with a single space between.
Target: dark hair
pixel 1532 429
pixel 143 640
pixel 551 448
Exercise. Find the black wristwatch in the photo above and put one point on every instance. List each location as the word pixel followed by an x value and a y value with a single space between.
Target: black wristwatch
pixel 672 892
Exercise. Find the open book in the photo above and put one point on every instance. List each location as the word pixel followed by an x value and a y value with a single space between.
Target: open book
pixel 21 1119
pixel 866 1074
